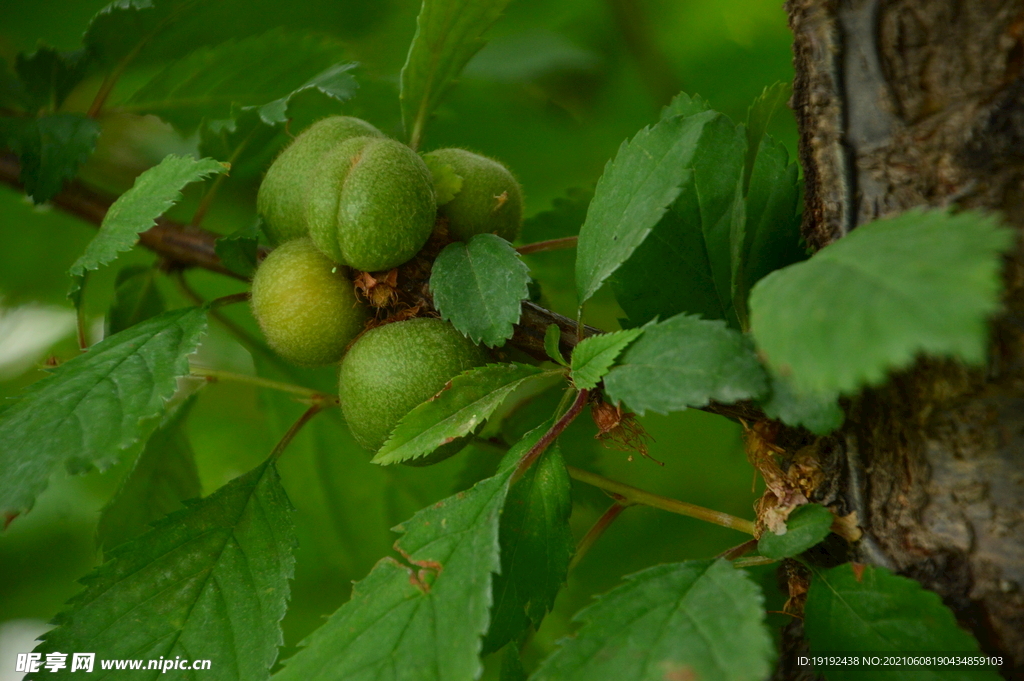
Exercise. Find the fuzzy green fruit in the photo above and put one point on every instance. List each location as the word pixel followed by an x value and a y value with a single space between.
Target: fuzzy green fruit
pixel 371 204
pixel 307 309
pixel 282 197
pixel 490 200
pixel 393 368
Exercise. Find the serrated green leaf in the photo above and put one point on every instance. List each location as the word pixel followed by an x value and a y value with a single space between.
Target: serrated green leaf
pixel 136 299
pixel 207 582
pixel 121 28
pixel 135 211
pixel 448 34
pixel 698 619
pixel 238 250
pixel 163 477
pixel 879 612
pixel 94 406
pixel 759 116
pixel 447 182
pixel 552 337
pixel 807 526
pixel 479 287
pixel 512 665
pixel 685 362
pixel 422 623
pixel 457 411
pixel 49 75
pixel 245 140
pixel 637 187
pixel 50 149
pixel 684 105
pixel 536 546
pixel 253 71
pixel 335 83
pixel 820 414
pixel 594 356
pixel 921 282
pixel 553 270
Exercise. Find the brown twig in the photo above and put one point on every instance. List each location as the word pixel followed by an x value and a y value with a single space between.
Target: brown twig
pixel 549 245
pixel 545 441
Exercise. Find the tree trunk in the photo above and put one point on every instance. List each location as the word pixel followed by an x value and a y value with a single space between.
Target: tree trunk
pixel 904 103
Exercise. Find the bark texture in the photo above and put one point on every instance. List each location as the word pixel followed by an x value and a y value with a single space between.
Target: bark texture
pixel 906 103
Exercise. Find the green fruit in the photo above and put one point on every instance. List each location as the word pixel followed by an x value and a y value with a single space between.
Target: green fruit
pixel 393 368
pixel 371 204
pixel 490 200
pixel 282 196
pixel 307 308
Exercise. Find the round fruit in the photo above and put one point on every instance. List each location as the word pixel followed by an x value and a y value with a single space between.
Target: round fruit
pixel 490 200
pixel 393 368
pixel 371 204
pixel 282 196
pixel 307 308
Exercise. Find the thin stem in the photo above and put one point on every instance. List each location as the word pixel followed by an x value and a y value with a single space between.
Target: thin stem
pixel 545 441
pixel 260 382
pixel 242 297
pixel 596 531
pixel 549 245
pixel 83 343
pixel 639 496
pixel 737 551
pixel 753 561
pixel 211 193
pixel 294 430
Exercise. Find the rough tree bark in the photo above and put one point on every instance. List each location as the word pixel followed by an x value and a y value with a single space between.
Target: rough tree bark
pixel 904 103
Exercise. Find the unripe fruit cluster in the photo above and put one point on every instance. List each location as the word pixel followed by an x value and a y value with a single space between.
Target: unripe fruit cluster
pixel 343 194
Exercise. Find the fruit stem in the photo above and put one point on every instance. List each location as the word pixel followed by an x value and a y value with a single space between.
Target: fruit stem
pixel 595 532
pixel 639 496
pixel 294 430
pixel 242 297
pixel 542 444
pixel 260 382
pixel 753 561
pixel 549 245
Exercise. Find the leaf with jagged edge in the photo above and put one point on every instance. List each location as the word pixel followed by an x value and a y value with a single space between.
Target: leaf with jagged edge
pixel 48 75
pixel 447 182
pixel 872 302
pixel 136 298
pixel 207 582
pixel 135 211
pixel 163 477
pixel 636 188
pixel 536 546
pixel 807 526
pixel 93 407
pixel 456 411
pixel 594 356
pixel 552 338
pixel 479 287
pixel 419 623
pixel 257 71
pixel 448 34
pixel 700 619
pixel 871 610
pixel 818 413
pixel 50 149
pixel 685 362
pixel 238 251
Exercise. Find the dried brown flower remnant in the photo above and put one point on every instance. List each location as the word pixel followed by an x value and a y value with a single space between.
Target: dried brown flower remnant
pixel 378 292
pixel 620 429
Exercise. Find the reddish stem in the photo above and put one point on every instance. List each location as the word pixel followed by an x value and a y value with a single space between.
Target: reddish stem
pixel 549 245
pixel 545 441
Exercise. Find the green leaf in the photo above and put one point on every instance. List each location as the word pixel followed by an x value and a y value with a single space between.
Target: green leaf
pixel 820 414
pixel 136 298
pixel 553 270
pixel 422 622
pixel 135 211
pixel 479 287
pixel 512 665
pixel 594 356
pixel 458 410
pixel 49 75
pixel 245 140
pixel 94 406
pixel 50 149
pixel 447 182
pixel 685 362
pixel 632 195
pixel 921 282
pixel 699 619
pixel 881 613
pixel 335 83
pixel 552 337
pixel 252 71
pixel 163 477
pixel 238 250
pixel 807 526
pixel 208 582
pixel 759 116
pixel 448 34
pixel 684 105
pixel 536 545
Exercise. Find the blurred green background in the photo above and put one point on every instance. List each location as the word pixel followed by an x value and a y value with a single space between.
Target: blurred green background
pixel 554 93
